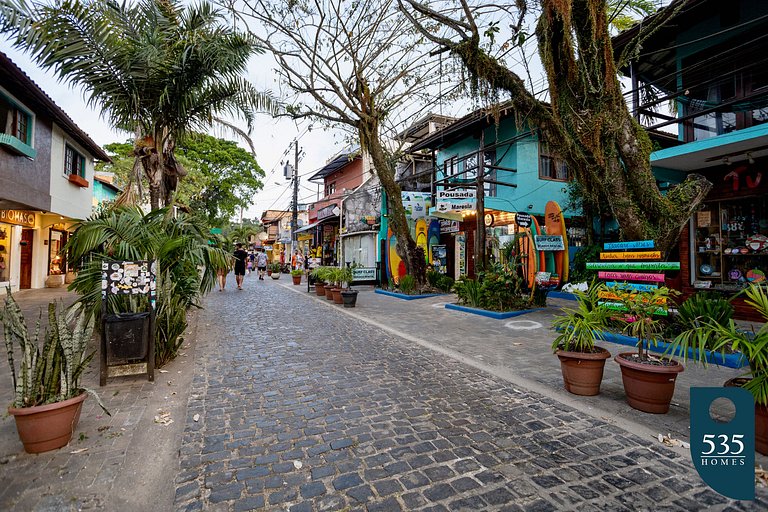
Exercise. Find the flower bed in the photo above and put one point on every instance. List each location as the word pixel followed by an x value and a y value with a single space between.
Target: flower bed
pixel 498 315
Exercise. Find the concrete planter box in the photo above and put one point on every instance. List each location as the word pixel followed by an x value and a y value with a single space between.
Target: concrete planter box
pixel 54 281
pixel 490 314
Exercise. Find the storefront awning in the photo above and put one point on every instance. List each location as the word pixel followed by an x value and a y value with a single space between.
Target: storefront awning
pixel 308 227
pixel 366 232
pixel 445 215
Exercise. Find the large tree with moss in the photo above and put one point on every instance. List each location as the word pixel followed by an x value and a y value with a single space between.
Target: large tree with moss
pixel 586 119
pixel 358 65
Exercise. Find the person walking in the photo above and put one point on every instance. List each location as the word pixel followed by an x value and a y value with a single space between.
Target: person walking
pixel 240 257
pixel 261 264
pixel 222 277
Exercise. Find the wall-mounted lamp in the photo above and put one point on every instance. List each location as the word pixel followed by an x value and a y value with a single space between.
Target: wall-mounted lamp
pixel 726 160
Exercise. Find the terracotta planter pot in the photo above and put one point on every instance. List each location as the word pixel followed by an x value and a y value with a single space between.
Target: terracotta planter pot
pixel 583 372
pixel 761 418
pixel 48 427
pixel 329 293
pixel 337 299
pixel 269 272
pixel 296 280
pixel 649 388
pixel 320 289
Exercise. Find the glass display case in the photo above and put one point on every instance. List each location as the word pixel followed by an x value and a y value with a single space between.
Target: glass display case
pixel 731 244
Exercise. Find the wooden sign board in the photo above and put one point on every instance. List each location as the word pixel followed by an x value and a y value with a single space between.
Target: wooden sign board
pixel 633 286
pixel 632 276
pixel 614 296
pixel 635 265
pixel 617 306
pixel 635 255
pixel 621 246
pixel 549 242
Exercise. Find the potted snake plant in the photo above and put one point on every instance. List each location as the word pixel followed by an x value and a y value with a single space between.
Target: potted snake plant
pixel 48 394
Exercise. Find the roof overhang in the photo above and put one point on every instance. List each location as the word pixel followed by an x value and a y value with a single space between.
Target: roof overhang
pixel 712 152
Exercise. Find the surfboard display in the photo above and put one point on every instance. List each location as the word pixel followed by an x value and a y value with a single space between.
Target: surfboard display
pixel 536 230
pixel 421 236
pixel 396 266
pixel 554 223
pixel 433 237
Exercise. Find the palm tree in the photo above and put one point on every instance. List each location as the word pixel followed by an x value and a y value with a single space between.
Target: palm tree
pixel 156 68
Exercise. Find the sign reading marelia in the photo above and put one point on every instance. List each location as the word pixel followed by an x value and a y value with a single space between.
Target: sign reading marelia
pixel 20 217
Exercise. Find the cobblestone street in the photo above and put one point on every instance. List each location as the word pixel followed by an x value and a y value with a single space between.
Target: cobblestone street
pixel 296 406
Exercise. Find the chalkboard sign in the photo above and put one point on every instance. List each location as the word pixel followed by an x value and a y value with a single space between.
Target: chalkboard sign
pixel 523 219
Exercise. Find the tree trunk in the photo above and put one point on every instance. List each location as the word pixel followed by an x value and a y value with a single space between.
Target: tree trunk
pixel 588 122
pixel 152 163
pixel 412 255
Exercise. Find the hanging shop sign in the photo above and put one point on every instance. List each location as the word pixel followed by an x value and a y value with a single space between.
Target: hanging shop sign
pixel 416 204
pixel 19 217
pixel 549 242
pixel 635 265
pixel 364 274
pixel 639 255
pixel 449 226
pixel 331 210
pixel 454 207
pixel 632 276
pixel 523 219
pixel 620 246
pixel 461 195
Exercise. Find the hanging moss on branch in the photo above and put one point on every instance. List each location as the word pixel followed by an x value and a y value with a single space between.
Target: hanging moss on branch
pixel 587 121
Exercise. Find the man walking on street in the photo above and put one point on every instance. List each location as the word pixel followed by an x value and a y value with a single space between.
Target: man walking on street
pixel 240 257
pixel 261 264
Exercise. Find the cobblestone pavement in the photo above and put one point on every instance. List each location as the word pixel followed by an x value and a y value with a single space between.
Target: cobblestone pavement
pixel 297 406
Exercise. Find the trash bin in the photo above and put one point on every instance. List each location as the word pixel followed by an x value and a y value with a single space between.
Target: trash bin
pixel 127 336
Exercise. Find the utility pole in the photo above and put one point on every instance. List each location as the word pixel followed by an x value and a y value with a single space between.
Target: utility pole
pixel 295 213
pixel 480 256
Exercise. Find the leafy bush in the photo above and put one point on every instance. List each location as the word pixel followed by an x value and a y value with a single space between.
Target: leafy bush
pixel 580 327
pixel 433 278
pixel 274 267
pixel 469 292
pixel 445 284
pixel 296 272
pixel 693 314
pixel 407 284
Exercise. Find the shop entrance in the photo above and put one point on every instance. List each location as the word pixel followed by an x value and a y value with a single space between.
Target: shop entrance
pixel 25 275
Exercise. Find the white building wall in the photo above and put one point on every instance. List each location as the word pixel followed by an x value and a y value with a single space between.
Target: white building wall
pixel 67 199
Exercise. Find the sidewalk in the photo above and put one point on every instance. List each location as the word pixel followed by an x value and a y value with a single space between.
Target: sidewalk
pixel 518 350
pixel 123 462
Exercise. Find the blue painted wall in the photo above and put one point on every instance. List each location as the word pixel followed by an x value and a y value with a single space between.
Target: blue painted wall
pixel 523 155
pixel 102 193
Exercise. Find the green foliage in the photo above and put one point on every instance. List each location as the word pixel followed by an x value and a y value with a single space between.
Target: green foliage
pixel 496 289
pixel 580 326
pixel 274 267
pixel 693 315
pixel 188 258
pixel 469 292
pixel 579 272
pixel 345 277
pixel 221 177
pixel 445 284
pixel 407 284
pixel 297 272
pixel 754 344
pixel 52 374
pixel 433 277
pixel 322 273
pixel 640 319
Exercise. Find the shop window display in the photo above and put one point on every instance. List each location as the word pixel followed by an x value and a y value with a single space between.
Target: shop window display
pixel 4 253
pixel 731 244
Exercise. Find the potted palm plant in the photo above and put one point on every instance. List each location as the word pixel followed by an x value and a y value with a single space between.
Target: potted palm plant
pixel 334 276
pixel 296 276
pixel 649 381
pixel 48 395
pixel 348 295
pixel 273 269
pixel 318 275
pixel 754 345
pixel 581 362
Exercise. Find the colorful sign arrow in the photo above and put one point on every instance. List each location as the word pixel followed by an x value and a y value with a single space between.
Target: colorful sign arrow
pixel 636 265
pixel 642 255
pixel 632 276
